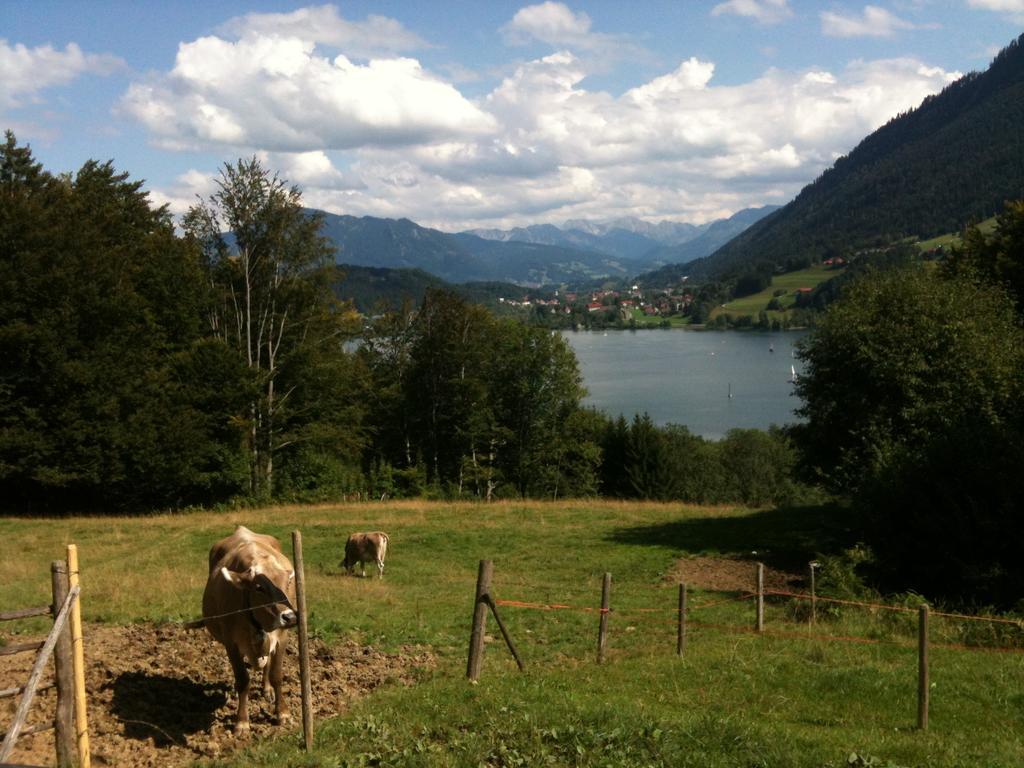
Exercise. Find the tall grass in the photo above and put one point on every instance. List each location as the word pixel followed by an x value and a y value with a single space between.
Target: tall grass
pixel 790 698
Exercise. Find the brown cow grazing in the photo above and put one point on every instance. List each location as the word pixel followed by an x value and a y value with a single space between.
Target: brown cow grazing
pixel 247 606
pixel 366 548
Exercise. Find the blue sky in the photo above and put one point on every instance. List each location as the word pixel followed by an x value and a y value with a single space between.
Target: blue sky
pixel 480 114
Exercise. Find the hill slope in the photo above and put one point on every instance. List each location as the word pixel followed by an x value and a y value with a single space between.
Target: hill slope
pixel 460 258
pixel 712 238
pixel 955 158
pixel 373 289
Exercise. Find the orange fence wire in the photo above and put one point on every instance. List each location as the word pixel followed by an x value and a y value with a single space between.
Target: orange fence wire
pixel 778 633
pixel 819 598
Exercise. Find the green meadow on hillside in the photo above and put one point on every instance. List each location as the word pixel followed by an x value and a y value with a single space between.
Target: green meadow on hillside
pixel 797 696
pixel 784 285
pixel 950 239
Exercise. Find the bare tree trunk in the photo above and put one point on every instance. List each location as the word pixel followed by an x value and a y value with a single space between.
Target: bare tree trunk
pixel 491 485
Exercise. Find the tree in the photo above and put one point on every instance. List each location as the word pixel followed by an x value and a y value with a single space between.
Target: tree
pixel 913 390
pixel 446 385
pixel 899 358
pixel 271 302
pixel 386 353
pixel 649 461
pixel 99 330
pixel 998 258
pixel 614 480
pixel 535 388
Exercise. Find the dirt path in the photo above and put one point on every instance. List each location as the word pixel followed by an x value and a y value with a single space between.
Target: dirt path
pixel 163 695
pixel 729 575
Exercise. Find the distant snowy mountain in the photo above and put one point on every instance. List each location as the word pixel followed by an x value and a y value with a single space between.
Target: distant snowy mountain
pixel 663 232
pixel 632 239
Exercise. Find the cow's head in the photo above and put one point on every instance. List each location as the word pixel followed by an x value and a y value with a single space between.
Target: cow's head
pixel 266 595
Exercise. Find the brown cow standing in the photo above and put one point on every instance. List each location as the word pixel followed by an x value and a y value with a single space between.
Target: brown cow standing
pixel 247 606
pixel 366 548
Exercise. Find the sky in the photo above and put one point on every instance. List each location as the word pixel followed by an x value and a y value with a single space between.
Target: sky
pixel 463 114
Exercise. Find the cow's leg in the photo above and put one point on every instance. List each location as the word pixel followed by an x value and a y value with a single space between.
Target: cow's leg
pixel 275 671
pixel 241 671
pixel 362 567
pixel 380 569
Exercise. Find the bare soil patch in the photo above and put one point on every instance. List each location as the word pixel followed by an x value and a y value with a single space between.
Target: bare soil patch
pixel 730 575
pixel 164 696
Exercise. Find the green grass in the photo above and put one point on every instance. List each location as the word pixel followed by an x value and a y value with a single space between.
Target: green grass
pixel 655 321
pixel 755 303
pixel 735 699
pixel 953 238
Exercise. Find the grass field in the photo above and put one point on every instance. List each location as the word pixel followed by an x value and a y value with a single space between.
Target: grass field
pixel 794 697
pixel 655 321
pixel 953 238
pixel 752 305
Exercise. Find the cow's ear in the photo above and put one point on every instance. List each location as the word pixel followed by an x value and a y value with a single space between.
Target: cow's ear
pixel 239 580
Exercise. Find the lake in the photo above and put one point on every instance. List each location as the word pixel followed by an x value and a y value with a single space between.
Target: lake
pixel 685 377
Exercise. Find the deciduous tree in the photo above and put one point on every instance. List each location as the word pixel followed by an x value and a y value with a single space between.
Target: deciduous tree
pixel 263 255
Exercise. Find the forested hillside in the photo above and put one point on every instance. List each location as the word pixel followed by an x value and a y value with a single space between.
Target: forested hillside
pixel 460 258
pixel 373 290
pixel 716 235
pixel 370 288
pixel 954 159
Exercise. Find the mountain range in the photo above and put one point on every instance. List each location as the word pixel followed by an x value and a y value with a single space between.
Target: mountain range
pixel 580 252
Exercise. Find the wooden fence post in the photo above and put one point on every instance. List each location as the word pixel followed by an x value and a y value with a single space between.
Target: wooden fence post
pixel 300 598
pixel 476 638
pixel 602 633
pixel 28 692
pixel 64 715
pixel 923 692
pixel 504 632
pixel 811 568
pixel 760 597
pixel 681 631
pixel 78 662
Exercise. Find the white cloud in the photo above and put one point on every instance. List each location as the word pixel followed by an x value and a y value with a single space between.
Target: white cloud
pixel 324 24
pixel 29 71
pixel 558 26
pixel 388 138
pixel 1001 6
pixel 277 93
pixel 187 189
pixel 1013 10
pixel 764 11
pixel 548 22
pixel 309 169
pixel 873 22
pixel 676 147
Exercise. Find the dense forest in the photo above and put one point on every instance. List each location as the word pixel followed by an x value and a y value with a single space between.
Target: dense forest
pixel 952 160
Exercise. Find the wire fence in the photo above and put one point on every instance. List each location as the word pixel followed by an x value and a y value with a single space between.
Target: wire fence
pixel 1006 635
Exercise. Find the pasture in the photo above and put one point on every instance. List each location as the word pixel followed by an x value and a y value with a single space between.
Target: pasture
pixel 841 691
pixel 951 239
pixel 788 283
